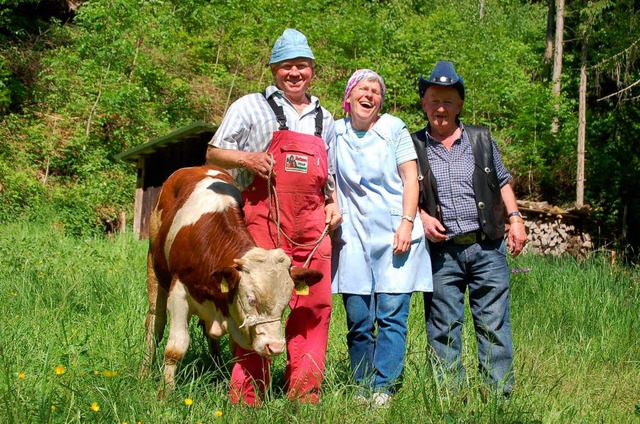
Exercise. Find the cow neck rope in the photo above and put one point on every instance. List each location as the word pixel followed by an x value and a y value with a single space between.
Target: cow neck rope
pixel 275 216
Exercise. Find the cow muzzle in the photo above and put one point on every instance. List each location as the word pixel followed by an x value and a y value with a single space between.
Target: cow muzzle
pixel 273 349
pixel 268 340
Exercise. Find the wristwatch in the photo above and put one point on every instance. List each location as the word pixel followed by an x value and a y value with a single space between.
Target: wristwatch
pixel 515 217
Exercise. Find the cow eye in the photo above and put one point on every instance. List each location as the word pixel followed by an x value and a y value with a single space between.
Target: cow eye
pixel 252 301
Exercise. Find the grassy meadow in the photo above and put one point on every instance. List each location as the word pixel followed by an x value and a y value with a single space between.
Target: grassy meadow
pixel 71 343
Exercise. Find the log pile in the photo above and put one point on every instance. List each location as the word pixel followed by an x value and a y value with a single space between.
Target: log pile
pixel 554 231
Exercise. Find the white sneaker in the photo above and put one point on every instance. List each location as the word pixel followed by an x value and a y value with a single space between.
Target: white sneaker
pixel 381 400
pixel 360 400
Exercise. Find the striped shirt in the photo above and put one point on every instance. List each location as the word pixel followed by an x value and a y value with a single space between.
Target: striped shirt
pixel 249 124
pixel 453 170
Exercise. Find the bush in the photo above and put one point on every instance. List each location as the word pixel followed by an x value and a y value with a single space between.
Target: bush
pixel 20 192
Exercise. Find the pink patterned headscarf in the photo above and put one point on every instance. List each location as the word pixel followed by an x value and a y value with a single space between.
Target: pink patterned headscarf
pixel 358 76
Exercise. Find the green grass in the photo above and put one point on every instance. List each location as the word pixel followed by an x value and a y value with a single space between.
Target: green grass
pixel 80 304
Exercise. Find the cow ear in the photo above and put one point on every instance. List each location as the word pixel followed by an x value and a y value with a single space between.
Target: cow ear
pixel 227 277
pixel 305 275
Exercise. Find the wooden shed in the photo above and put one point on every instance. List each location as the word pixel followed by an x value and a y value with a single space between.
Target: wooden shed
pixel 158 159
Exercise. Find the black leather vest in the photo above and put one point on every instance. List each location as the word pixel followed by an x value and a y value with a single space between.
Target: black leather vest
pixel 486 186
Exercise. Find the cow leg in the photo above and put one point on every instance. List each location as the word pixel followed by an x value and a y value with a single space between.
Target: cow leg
pixel 213 345
pixel 156 318
pixel 178 343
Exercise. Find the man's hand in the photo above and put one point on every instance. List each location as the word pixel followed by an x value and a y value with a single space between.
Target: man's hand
pixel 333 217
pixel 259 163
pixel 433 229
pixel 517 238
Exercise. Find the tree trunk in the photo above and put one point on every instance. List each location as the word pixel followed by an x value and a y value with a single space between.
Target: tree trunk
pixel 482 3
pixel 548 51
pixel 557 64
pixel 582 124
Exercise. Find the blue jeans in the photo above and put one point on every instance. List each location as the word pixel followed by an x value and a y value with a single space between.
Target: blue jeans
pixel 377 361
pixel 482 268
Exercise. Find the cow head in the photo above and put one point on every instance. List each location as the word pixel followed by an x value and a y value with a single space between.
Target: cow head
pixel 261 285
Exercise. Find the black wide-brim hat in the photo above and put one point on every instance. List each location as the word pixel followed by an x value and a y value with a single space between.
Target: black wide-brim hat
pixel 443 74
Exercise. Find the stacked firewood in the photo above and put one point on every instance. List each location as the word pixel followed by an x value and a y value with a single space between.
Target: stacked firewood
pixel 553 231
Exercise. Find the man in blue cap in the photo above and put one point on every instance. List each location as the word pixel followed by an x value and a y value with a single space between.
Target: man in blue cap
pixel 282 138
pixel 464 193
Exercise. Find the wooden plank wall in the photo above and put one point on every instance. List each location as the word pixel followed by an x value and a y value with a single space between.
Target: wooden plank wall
pixel 155 168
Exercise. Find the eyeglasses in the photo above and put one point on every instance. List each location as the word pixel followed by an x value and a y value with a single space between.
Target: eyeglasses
pixel 443 79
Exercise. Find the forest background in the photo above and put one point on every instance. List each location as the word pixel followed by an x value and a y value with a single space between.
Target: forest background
pixel 81 82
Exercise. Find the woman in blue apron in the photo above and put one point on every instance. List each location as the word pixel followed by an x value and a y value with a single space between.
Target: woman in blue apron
pixel 380 256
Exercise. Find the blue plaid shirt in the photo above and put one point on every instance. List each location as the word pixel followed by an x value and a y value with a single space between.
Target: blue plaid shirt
pixel 453 170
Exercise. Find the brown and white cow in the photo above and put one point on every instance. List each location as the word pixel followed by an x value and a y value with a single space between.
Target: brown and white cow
pixel 203 261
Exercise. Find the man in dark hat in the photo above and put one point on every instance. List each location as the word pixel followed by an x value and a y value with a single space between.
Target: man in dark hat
pixel 464 198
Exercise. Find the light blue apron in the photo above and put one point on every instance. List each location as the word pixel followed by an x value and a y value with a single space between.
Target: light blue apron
pixel 370 197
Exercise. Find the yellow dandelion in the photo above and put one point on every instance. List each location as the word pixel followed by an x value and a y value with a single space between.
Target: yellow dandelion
pixel 82 373
pixel 95 407
pixel 96 372
pixel 218 413
pixel 53 408
pixel 188 401
pixel 22 375
pixel 60 369
pixel 106 373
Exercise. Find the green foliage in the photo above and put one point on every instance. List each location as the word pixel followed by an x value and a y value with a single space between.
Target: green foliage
pixel 20 192
pixel 123 72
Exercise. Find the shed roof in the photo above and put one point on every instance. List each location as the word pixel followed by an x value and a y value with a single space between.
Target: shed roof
pixel 188 133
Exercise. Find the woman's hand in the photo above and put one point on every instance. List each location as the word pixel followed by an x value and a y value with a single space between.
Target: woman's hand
pixel 402 237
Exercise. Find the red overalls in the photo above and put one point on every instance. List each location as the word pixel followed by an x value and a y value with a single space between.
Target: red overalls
pixel 300 174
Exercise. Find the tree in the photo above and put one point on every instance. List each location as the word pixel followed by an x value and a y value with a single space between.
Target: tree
pixel 557 63
pixel 548 51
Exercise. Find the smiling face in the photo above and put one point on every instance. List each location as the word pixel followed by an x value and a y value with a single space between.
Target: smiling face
pixel 365 101
pixel 293 77
pixel 442 104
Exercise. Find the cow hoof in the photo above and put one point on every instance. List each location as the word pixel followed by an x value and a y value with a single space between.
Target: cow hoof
pixel 163 392
pixel 144 373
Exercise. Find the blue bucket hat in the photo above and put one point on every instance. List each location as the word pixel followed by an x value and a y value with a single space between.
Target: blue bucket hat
pixel 289 45
pixel 443 74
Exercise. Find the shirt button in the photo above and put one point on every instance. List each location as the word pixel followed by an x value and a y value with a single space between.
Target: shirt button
pixel 249 202
pixel 253 189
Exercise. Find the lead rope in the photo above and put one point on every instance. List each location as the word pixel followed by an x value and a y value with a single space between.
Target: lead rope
pixel 275 216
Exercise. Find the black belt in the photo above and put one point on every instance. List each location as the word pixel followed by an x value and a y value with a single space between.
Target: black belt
pixel 468 238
